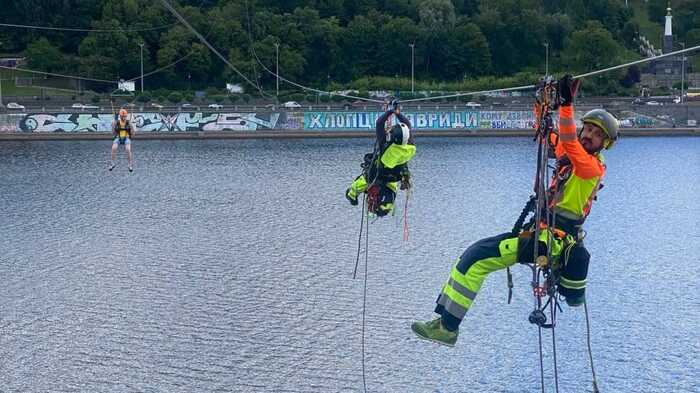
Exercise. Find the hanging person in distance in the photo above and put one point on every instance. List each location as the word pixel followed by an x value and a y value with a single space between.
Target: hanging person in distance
pixel 122 132
pixel 387 165
pixel 576 179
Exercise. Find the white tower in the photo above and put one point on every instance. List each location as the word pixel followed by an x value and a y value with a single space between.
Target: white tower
pixel 668 31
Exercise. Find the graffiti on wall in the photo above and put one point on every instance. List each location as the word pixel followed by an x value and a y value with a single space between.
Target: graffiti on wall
pixel 506 120
pixel 242 122
pixel 9 122
pixel 291 121
pixel 366 120
pixel 66 122
pixel 204 121
pixel 145 122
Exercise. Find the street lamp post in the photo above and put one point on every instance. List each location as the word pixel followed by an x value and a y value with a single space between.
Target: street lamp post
pixel 277 62
pixel 141 45
pixel 546 58
pixel 682 71
pixel 413 47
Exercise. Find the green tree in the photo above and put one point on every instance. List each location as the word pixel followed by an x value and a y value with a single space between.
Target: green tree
pixel 436 16
pixel 175 97
pixel 43 56
pixel 692 37
pixel 686 16
pixel 198 62
pixel 329 8
pixel 558 27
pixel 515 30
pixel 466 53
pixel 360 47
pixel 657 10
pixel 591 48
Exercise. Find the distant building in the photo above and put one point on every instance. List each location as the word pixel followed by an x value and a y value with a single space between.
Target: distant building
pixel 11 61
pixel 668 70
pixel 234 88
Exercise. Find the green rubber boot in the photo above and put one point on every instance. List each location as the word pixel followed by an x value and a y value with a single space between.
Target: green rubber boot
pixel 351 196
pixel 434 331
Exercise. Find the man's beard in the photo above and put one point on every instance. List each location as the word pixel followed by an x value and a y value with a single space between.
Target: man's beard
pixel 588 146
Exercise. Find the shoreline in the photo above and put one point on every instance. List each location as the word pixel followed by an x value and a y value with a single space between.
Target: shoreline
pixel 280 134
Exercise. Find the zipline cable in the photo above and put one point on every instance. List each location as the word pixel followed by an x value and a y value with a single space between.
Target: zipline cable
pixel 297 84
pixel 585 75
pixel 129 30
pixel 210 46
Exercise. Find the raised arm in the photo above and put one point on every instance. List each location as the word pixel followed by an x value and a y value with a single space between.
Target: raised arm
pixel 586 166
pixel 381 133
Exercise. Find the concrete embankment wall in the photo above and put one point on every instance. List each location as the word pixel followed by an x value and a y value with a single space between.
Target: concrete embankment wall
pixel 290 124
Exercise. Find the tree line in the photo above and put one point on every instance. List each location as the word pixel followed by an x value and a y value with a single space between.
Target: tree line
pixel 332 43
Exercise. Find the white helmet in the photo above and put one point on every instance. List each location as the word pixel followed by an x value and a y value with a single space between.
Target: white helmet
pixel 399 134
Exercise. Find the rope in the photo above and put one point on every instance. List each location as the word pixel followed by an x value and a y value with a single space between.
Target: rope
pixel 205 42
pixel 364 306
pixel 86 30
pixel 590 351
pixel 544 128
pixel 252 48
pixel 280 77
pixel 553 314
pixel 157 70
pixel 58 75
pixel 678 52
pixel 161 68
pixel 527 209
pixel 528 87
pixel 539 334
pixel 359 238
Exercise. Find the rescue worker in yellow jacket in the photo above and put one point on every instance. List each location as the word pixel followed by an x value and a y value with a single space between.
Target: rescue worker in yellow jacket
pixel 384 168
pixel 122 131
pixel 580 170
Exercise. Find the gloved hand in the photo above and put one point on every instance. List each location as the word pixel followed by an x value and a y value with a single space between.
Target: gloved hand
pixel 394 105
pixel 405 183
pixel 405 178
pixel 568 86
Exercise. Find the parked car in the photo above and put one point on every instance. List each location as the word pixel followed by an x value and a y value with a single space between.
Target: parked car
pixel 291 104
pixel 14 105
pixel 472 104
pixel 186 105
pixel 82 106
pixel 215 106
pixel 653 103
pixel 627 122
pixel 156 105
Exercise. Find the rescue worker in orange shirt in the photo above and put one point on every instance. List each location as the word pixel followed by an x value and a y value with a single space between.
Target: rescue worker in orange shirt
pixel 580 170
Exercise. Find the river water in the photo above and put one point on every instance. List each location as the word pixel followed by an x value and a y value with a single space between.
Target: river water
pixel 226 266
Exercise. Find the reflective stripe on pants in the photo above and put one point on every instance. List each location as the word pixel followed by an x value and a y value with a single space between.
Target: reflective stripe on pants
pixel 467 276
